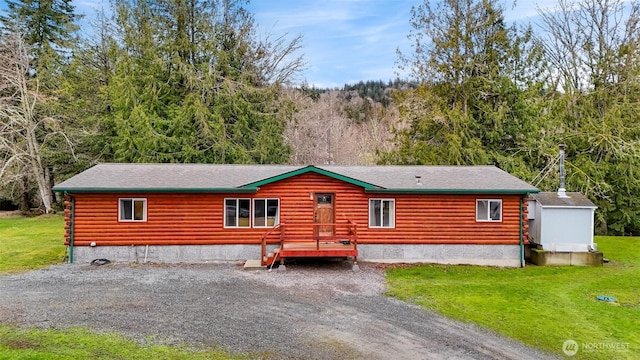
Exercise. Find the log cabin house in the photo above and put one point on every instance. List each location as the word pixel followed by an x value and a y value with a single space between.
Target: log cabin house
pixel 198 212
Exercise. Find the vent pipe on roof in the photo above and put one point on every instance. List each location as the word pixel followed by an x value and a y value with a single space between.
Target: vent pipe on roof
pixel 418 180
pixel 562 192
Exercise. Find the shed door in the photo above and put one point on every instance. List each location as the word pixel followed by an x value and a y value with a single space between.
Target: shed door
pixel 323 215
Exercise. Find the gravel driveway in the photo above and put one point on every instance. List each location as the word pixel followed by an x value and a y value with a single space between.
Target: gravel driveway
pixel 319 310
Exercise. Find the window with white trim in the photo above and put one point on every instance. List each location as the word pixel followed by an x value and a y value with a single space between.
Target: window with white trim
pixel 382 213
pixel 132 210
pixel 489 210
pixel 266 212
pixel 237 213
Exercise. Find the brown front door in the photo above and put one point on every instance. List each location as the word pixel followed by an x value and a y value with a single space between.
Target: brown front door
pixel 324 215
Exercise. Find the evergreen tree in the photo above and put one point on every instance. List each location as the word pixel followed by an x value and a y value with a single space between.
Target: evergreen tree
pixel 473 106
pixel 48 27
pixel 194 85
pixel 82 96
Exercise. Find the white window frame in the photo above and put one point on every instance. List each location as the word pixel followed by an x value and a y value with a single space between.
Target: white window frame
pixel 392 217
pixel 237 226
pixel 488 213
pixel 266 211
pixel 133 210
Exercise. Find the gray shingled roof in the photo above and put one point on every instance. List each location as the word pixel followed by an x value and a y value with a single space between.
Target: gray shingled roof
pixel 574 199
pixel 225 178
pixel 435 177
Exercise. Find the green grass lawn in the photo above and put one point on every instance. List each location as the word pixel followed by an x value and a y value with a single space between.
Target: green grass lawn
pixel 31 242
pixel 82 344
pixel 540 306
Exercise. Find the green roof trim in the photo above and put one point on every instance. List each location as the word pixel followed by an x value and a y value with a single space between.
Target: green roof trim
pixel 155 190
pixel 451 191
pixel 313 169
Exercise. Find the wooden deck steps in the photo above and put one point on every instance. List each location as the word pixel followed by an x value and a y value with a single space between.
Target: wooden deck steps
pixel 308 249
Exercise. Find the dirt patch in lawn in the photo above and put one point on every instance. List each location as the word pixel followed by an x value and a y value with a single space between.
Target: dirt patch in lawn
pixel 5 214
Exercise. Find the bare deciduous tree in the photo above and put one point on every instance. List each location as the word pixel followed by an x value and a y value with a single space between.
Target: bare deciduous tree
pixel 322 133
pixel 23 132
pixel 278 60
pixel 591 43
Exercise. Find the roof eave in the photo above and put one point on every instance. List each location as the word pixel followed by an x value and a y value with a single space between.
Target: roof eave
pixel 154 190
pixel 452 191
pixel 568 206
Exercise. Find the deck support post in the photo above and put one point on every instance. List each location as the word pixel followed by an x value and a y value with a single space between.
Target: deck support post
pixel 282 267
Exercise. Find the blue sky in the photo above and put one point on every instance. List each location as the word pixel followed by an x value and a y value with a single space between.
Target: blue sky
pixel 344 41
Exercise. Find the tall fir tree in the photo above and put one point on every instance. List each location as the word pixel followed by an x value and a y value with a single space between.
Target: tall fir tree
pixel 48 26
pixel 472 106
pixel 195 85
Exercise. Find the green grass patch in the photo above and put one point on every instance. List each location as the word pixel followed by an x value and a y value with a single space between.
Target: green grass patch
pixel 540 306
pixel 77 343
pixel 31 242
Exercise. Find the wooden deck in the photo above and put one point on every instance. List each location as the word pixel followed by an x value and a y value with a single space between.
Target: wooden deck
pixel 343 243
pixel 318 249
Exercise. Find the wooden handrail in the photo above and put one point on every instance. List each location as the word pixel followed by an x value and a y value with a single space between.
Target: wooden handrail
pixel 263 241
pixel 353 230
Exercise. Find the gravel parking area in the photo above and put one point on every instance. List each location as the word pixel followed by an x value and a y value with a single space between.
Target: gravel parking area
pixel 316 310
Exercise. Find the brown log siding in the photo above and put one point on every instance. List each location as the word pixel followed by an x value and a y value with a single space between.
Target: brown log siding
pixel 197 219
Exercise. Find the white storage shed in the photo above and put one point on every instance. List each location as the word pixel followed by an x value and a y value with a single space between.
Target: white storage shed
pixel 561 222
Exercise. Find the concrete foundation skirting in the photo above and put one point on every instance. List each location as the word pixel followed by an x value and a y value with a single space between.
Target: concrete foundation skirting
pixel 496 255
pixel 553 258
pixel 168 253
pixel 492 255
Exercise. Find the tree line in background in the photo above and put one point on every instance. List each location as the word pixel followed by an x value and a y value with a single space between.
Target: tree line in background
pixel 192 81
